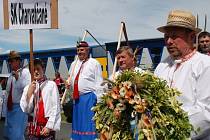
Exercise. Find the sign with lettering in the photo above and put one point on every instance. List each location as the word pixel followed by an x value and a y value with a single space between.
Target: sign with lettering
pixel 28 14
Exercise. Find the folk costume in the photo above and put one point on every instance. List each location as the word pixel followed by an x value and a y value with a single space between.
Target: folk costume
pixel 189 74
pixel 16 119
pixel 44 109
pixel 85 80
pixel 191 77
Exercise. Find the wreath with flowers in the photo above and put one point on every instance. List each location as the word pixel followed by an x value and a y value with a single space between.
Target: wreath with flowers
pixel 140 106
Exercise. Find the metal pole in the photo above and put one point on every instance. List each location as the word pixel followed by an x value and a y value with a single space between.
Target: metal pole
pixel 95 40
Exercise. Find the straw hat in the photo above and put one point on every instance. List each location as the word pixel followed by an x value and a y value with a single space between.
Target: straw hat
pixel 13 55
pixel 178 18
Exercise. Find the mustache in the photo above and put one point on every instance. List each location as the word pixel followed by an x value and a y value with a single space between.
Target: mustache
pixel 172 48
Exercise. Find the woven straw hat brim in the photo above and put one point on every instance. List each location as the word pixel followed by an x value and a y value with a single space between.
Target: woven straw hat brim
pixel 13 57
pixel 163 28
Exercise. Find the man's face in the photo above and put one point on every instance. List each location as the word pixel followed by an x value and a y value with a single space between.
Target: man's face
pixel 15 64
pixel 125 61
pixel 204 44
pixel 38 72
pixel 178 41
pixel 83 53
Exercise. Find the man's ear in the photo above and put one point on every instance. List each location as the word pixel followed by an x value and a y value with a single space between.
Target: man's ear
pixel 88 49
pixel 133 58
pixel 192 37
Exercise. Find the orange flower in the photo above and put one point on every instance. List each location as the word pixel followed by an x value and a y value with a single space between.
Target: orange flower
pixel 129 93
pixel 114 96
pixel 110 103
pixel 146 121
pixel 115 93
pixel 115 90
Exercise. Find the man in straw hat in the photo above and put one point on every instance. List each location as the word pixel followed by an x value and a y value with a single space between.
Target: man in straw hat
pixel 86 79
pixel 187 70
pixel 204 42
pixel 16 119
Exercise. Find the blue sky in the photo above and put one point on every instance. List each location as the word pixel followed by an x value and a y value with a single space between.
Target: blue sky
pixel 102 18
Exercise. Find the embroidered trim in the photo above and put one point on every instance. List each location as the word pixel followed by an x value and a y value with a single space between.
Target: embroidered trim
pixel 83 133
pixel 187 57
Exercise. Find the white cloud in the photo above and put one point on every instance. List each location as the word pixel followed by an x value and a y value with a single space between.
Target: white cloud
pixel 2 51
pixel 102 18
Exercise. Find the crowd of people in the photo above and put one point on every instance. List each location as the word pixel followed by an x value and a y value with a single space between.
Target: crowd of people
pixel 35 106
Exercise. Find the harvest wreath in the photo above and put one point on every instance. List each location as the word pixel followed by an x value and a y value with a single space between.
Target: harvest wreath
pixel 140 106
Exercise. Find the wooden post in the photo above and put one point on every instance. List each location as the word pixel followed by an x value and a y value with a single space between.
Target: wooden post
pixel 118 46
pixel 6 14
pixel 54 14
pixel 84 35
pixel 31 54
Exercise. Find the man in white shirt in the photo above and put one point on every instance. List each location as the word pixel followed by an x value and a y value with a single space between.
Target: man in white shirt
pixel 126 60
pixel 204 42
pixel 187 70
pixel 16 119
pixel 86 79
pixel 3 106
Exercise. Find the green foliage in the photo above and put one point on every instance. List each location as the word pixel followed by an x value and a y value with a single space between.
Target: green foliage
pixel 159 113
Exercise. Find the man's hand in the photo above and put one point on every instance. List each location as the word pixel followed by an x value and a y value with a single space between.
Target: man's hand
pixel 45 131
pixel 67 84
pixel 15 74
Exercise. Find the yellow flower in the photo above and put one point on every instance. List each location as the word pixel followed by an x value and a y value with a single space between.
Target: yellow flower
pixel 139 108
